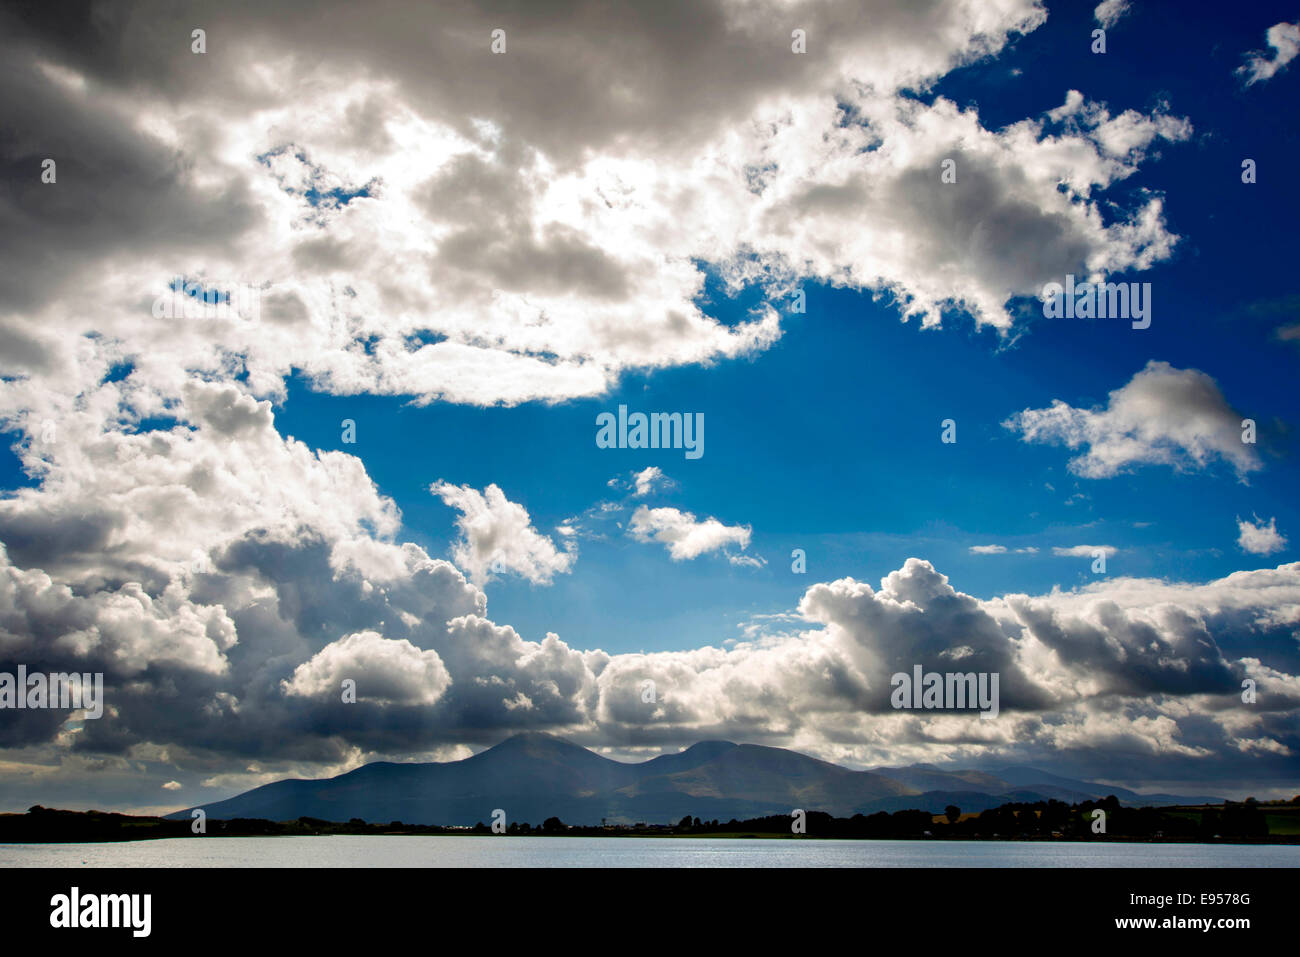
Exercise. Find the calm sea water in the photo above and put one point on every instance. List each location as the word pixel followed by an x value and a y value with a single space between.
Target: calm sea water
pixel 457 851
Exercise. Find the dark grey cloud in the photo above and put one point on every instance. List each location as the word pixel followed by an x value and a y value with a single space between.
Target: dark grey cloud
pixel 920 619
pixel 1175 654
pixel 43 538
pixel 577 74
pixel 118 191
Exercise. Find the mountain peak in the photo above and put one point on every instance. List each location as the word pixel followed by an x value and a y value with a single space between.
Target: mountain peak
pixel 718 745
pixel 540 744
pixel 532 738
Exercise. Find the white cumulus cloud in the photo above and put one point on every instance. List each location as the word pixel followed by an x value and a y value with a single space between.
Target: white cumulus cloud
pixel 1284 40
pixel 1110 12
pixel 682 534
pixel 496 535
pixel 1162 416
pixel 386 671
pixel 1259 538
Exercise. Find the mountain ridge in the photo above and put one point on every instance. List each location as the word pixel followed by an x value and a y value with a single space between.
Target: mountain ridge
pixel 533 775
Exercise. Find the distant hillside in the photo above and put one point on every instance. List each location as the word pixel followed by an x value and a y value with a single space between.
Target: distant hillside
pixel 536 776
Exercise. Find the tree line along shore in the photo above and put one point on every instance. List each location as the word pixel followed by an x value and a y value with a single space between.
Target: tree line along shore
pixel 1274 822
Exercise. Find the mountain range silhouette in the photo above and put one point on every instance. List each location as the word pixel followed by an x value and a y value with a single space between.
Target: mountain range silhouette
pixel 533 776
